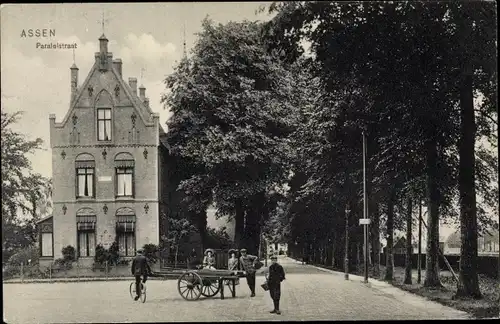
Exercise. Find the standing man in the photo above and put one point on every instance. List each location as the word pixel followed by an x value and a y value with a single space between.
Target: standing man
pixel 275 275
pixel 248 263
pixel 140 267
pixel 193 259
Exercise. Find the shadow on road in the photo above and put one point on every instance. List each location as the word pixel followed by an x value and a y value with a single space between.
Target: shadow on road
pixel 176 299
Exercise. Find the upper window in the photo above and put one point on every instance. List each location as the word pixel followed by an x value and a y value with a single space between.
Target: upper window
pixel 104 124
pixel 85 176
pixel 124 164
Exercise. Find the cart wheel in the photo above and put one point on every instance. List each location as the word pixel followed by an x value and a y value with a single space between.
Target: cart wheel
pixel 190 285
pixel 210 288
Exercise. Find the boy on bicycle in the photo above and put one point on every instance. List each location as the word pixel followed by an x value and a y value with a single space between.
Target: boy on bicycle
pixel 140 267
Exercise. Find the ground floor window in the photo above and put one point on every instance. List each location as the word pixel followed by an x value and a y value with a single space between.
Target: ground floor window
pixel 47 250
pixel 86 243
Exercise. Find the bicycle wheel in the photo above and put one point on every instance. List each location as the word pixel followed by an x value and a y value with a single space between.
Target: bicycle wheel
pixel 132 290
pixel 143 293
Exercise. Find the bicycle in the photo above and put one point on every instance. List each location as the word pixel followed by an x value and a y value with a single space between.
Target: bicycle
pixel 142 295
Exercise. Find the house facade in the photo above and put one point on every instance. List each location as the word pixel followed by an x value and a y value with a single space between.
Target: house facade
pixel 108 166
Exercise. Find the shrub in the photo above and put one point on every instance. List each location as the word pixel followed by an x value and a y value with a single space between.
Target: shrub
pixel 69 253
pixel 114 253
pixel 11 271
pixel 63 264
pixel 69 256
pixel 151 252
pixel 100 254
pixel 123 262
pixel 24 255
pixel 110 255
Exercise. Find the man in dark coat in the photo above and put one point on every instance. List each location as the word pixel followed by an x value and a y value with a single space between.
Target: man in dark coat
pixel 140 267
pixel 248 263
pixel 275 275
pixel 193 259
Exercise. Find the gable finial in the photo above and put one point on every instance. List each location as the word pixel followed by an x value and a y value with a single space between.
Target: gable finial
pixel 74 62
pixel 103 21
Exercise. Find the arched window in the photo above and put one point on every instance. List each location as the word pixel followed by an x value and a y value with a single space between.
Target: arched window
pixel 124 165
pixel 85 224
pixel 125 230
pixel 104 103
pixel 85 176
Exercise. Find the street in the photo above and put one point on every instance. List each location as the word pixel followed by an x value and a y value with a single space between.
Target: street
pixel 307 294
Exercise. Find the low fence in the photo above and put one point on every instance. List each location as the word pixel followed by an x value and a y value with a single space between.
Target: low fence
pixel 487 265
pixel 75 270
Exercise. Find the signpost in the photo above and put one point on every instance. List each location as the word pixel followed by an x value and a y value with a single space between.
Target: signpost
pixel 364 221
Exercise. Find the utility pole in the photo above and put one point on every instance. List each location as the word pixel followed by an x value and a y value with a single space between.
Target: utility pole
pixel 346 257
pixel 365 210
pixel 419 261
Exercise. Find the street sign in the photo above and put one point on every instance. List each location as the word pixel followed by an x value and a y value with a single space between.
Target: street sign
pixel 364 221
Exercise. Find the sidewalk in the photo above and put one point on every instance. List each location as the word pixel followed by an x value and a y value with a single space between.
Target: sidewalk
pixel 371 282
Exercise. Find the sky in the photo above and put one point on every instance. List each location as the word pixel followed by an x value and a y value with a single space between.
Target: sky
pixel 145 36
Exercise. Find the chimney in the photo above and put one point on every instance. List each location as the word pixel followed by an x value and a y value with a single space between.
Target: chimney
pixel 103 53
pixel 117 65
pixel 142 92
pixel 74 80
pixel 132 82
pixel 103 44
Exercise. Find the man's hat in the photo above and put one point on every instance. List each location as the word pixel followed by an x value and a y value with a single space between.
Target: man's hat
pixel 274 257
pixel 243 250
pixel 209 250
pixel 231 251
pixel 140 251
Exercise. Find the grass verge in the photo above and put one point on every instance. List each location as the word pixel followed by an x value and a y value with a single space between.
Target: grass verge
pixel 487 307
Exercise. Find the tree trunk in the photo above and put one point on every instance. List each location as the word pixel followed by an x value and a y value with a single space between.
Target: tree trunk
pixel 251 232
pixel 468 285
pixel 333 250
pixel 202 228
pixel 389 264
pixel 409 247
pixel 419 261
pixel 239 227
pixel 346 246
pixel 358 257
pixel 260 247
pixel 375 229
pixel 176 254
pixel 432 253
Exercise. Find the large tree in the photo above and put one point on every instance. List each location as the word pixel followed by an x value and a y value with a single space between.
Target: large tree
pixel 25 194
pixel 406 86
pixel 232 114
pixel 473 27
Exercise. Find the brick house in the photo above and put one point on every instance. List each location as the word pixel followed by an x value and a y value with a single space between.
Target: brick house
pixel 108 166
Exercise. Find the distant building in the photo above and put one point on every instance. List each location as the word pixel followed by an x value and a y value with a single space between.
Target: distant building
pixel 275 248
pixel 487 243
